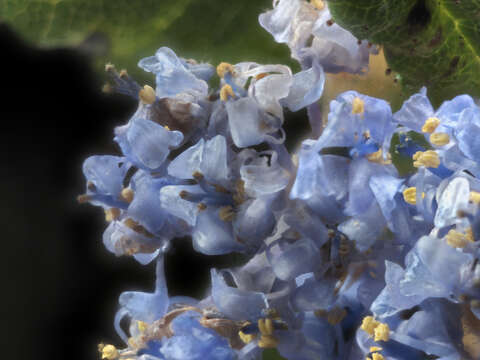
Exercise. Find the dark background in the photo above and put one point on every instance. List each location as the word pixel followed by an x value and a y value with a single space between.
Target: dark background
pixel 59 285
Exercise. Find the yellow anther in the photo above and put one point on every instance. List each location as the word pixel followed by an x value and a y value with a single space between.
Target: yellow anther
pixel 469 234
pixel 368 358
pixel 377 157
pixel 132 342
pixel 430 125
pixel 457 239
pixel 382 332
pixel 375 348
pixel 142 326
pixel 336 315
pixel 223 68
pixel 100 347
pixel 201 206
pixel 369 324
pixel 377 356
pixel 246 338
pixel 123 73
pixel 267 342
pixel 260 76
pixel 318 4
pixel 410 195
pixel 226 213
pixel 269 326
pixel 320 313
pixel 225 92
pixel 127 195
pixel 112 214
pixel 197 175
pixel 166 128
pixel 109 352
pixel 107 88
pixel 475 197
pixel 439 139
pixel 358 106
pixel 427 158
pixel 109 67
pixel 147 95
pixel 262 327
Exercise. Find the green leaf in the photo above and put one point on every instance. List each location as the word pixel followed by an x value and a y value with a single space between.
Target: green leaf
pixel 435 43
pixel 271 354
pixel 208 30
pixel 404 164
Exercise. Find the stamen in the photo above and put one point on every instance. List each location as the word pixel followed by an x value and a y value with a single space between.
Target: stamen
pixel 267 340
pixel 457 239
pixel 430 125
pixel 201 206
pixel 84 198
pixel 439 139
pixel 377 356
pixel 377 157
pixel 142 326
pixel 239 196
pixel 336 315
pixel 197 175
pixel 226 213
pixel 109 67
pixel 223 68
pixel 112 214
pixel 318 4
pixel 375 348
pixel 127 194
pixel 246 338
pixel 469 234
pixel 225 92
pixel 382 332
pixel 475 197
pixel 369 324
pixel 261 76
pixel 427 158
pixel 147 95
pixel 358 106
pixel 410 195
pixel 109 352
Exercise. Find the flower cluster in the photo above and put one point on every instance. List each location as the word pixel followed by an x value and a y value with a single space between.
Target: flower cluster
pixel 348 258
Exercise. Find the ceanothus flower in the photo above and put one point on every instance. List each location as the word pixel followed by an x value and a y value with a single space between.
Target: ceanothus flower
pixel 295 22
pixel 348 258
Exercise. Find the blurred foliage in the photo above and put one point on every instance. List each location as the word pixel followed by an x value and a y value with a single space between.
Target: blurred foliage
pixel 379 82
pixel 435 43
pixel 124 31
pixel 271 354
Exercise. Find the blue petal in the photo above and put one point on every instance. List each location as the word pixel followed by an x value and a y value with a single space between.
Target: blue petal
pixel 172 76
pixel 145 143
pixel 452 199
pixel 175 205
pixel 384 187
pixel 467 131
pixel 148 307
pixel 212 235
pixel 364 228
pixel 291 260
pixel 193 341
pixel 307 87
pixel 106 173
pixel 245 122
pixel 278 21
pixel 415 111
pixel 235 303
